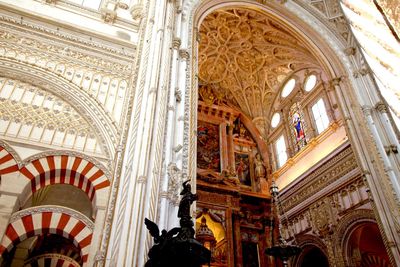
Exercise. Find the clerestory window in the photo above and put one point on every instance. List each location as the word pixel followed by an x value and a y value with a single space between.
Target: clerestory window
pixel 320 115
pixel 280 147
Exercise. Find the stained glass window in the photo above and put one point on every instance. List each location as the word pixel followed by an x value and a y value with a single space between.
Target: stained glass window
pixel 298 127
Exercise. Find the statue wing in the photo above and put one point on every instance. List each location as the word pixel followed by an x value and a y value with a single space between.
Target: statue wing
pixel 152 227
pixel 173 232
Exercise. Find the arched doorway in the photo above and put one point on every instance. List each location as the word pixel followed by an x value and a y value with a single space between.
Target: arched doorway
pixel 313 256
pixel 365 247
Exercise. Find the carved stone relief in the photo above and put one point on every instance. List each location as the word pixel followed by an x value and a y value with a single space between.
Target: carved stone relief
pixel 174 182
pixel 28 112
pixel 103 80
pixel 326 174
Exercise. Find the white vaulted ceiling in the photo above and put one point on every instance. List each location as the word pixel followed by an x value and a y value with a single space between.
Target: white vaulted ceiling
pixel 32 114
pixel 103 80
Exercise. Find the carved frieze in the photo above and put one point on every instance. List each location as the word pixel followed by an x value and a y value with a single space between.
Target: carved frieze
pixel 330 171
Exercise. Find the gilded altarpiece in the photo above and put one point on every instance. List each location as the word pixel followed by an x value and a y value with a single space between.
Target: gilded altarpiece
pixel 233 212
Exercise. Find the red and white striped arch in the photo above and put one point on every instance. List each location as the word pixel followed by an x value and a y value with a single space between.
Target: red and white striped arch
pixel 55 260
pixel 7 162
pixel 52 259
pixel 42 220
pixel 65 169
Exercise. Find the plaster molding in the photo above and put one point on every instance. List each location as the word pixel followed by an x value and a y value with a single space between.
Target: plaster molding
pixel 13 153
pixel 323 175
pixel 51 208
pixel 47 31
pixel 88 108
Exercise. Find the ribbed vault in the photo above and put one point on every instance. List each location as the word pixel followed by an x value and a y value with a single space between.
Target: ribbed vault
pixel 245 57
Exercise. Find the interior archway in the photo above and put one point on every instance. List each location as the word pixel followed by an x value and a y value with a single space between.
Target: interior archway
pixel 246 57
pixel 39 249
pixel 365 247
pixel 313 256
pixel 61 195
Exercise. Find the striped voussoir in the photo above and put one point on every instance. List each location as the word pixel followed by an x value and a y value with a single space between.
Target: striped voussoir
pixel 7 162
pixel 51 222
pixel 52 260
pixel 65 169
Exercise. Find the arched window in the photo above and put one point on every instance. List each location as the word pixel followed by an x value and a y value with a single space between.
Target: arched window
pixel 281 154
pixel 320 115
pixel 298 126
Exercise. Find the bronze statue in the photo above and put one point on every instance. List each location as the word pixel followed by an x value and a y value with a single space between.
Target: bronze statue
pixel 187 199
pixel 177 247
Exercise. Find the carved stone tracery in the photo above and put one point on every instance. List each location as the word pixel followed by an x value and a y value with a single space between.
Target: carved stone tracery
pixel 244 54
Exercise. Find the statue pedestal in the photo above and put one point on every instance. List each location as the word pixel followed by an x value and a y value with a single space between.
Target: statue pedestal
pixel 177 247
pixel 189 253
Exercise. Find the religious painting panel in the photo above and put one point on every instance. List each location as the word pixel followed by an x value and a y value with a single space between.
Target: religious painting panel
pixel 242 167
pixel 208 148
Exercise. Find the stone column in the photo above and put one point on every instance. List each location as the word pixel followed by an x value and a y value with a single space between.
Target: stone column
pixel 373 160
pixel 138 194
pixel 95 255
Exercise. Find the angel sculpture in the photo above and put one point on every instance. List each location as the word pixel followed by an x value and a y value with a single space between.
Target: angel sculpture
pixel 157 252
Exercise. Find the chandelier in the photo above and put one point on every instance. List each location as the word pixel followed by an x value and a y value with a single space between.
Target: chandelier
pixel 280 249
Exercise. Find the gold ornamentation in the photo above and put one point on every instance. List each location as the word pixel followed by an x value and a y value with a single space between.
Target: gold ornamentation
pixel 326 174
pixel 247 55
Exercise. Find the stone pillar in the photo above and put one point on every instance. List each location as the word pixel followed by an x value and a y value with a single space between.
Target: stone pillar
pixel 95 253
pixel 380 174
pixel 138 190
pixel 11 192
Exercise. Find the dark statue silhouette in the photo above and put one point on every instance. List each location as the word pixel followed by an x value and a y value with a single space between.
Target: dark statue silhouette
pixel 177 247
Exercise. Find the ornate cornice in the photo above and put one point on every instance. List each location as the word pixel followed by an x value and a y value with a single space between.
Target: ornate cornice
pixel 331 170
pixel 63 53
pixel 36 29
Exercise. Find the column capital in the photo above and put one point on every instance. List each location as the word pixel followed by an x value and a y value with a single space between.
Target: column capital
pixel 184 54
pixel 381 107
pixel 176 43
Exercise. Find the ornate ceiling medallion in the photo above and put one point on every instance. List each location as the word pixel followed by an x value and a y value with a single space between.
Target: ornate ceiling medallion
pixel 247 56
